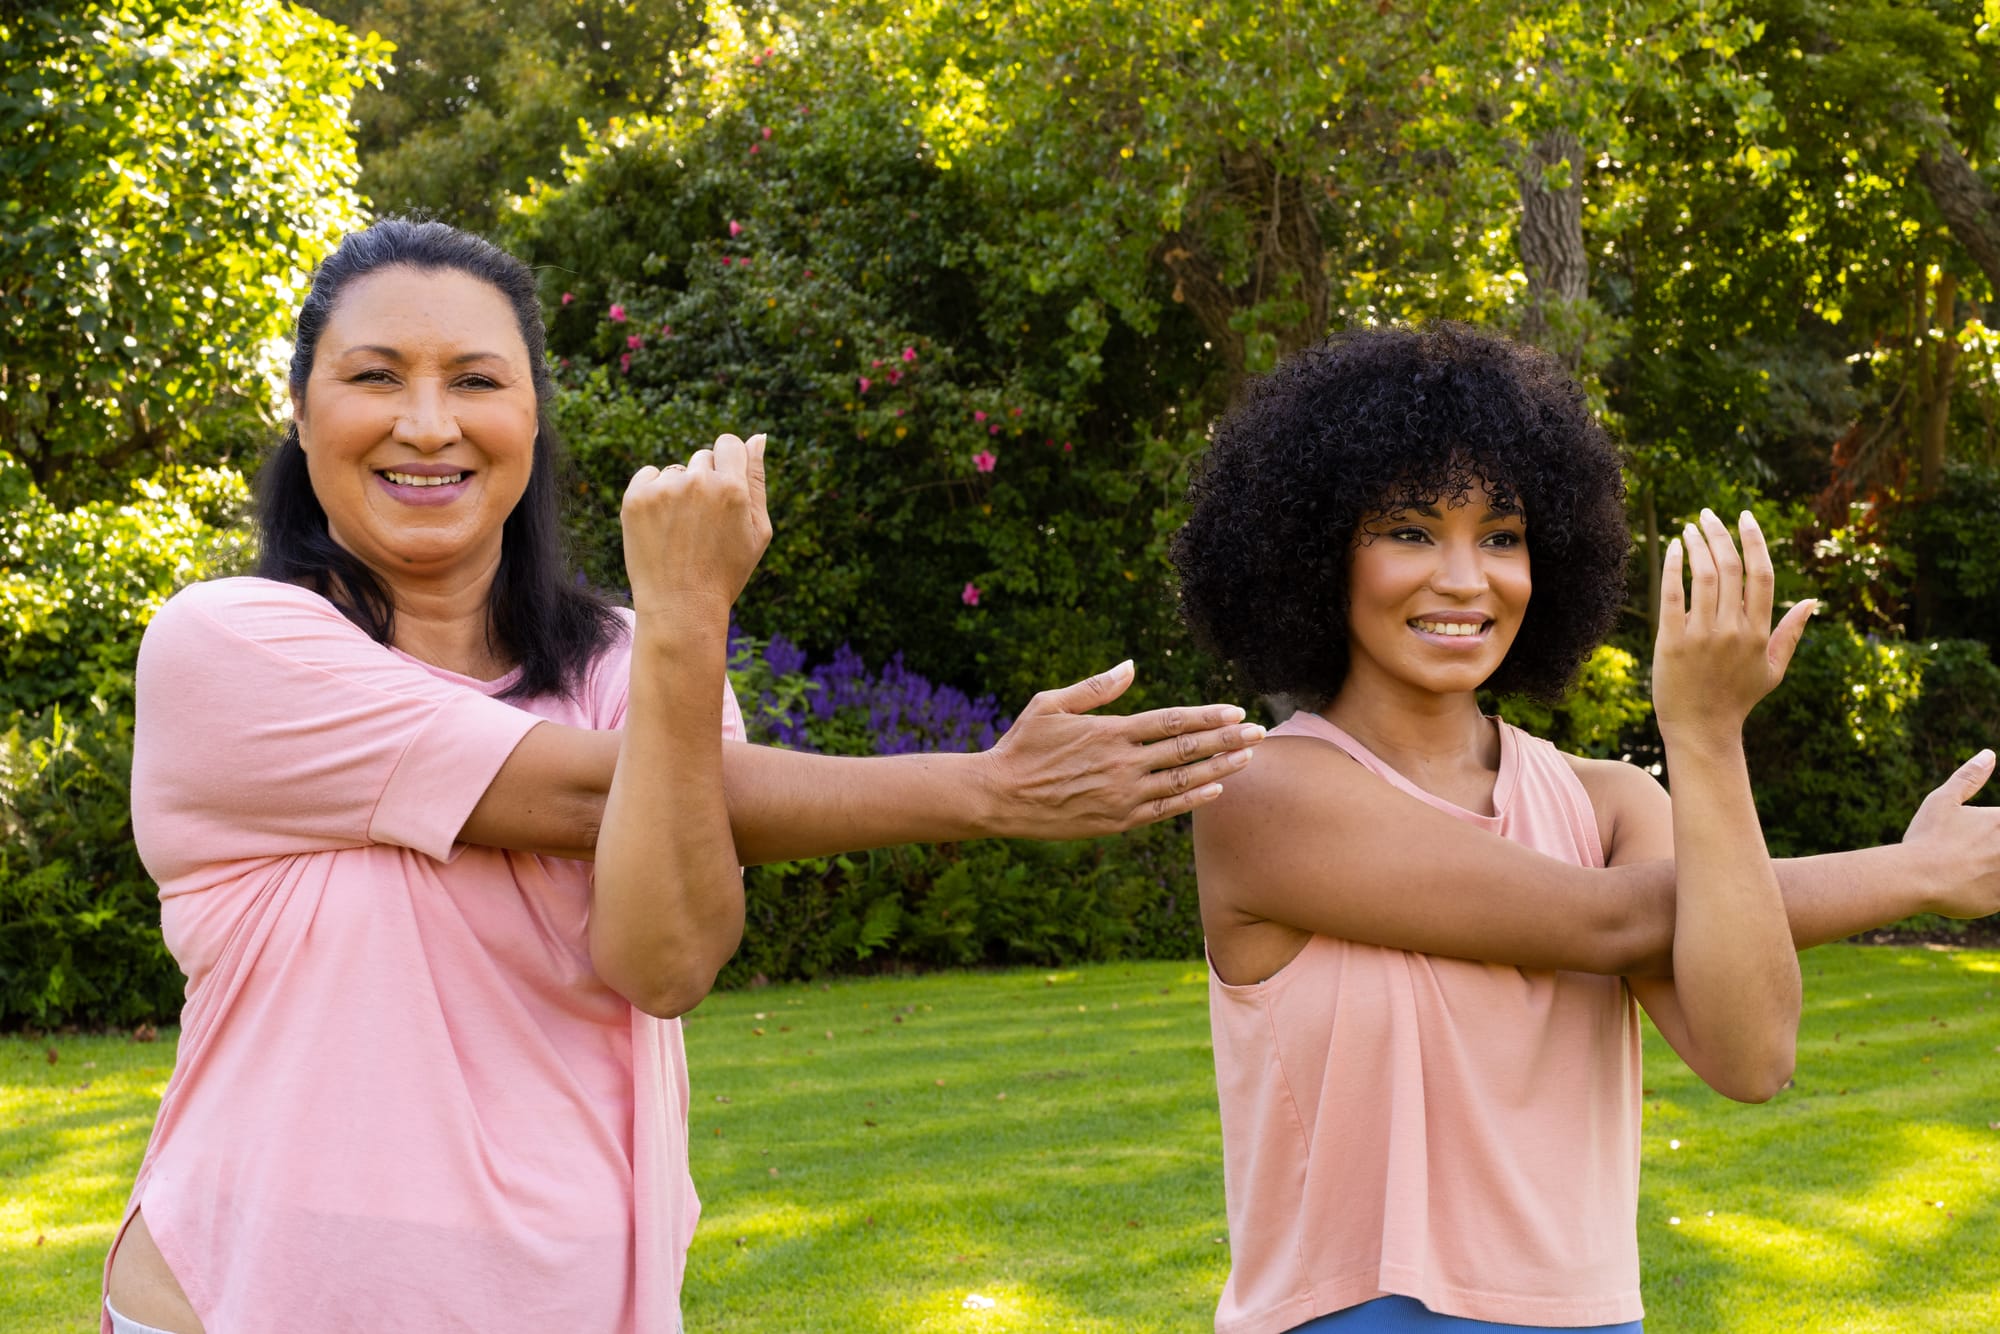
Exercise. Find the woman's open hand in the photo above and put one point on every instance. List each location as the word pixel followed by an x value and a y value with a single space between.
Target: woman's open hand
pixel 698 528
pixel 1062 772
pixel 1716 654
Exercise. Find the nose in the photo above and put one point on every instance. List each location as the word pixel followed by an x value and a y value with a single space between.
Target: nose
pixel 1460 572
pixel 425 420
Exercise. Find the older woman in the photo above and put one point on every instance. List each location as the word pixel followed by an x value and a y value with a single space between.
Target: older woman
pixel 431 1074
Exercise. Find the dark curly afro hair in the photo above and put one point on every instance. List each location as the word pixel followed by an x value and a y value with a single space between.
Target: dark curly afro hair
pixel 1376 420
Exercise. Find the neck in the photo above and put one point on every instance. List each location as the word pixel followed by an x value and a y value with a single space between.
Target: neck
pixel 1411 729
pixel 445 622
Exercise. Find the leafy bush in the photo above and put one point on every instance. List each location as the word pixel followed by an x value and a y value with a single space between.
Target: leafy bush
pixel 973 468
pixel 1604 715
pixel 1861 729
pixel 77 586
pixel 79 918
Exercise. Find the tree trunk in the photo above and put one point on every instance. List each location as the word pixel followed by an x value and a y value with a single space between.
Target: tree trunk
pixel 1289 262
pixel 1552 252
pixel 1938 376
pixel 1969 205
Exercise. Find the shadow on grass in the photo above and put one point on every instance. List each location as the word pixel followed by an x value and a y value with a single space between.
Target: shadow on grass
pixel 1861 1199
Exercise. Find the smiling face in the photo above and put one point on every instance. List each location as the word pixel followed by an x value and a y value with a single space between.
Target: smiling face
pixel 1436 595
pixel 419 423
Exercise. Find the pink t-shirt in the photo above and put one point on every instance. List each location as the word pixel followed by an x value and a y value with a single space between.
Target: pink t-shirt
pixel 1465 1134
pixel 403 1099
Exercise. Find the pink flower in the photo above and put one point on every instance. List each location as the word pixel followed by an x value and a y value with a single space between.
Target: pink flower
pixel 617 313
pixel 865 382
pixel 970 596
pixel 1015 412
pixel 984 460
pixel 899 412
pixel 667 331
pixel 727 261
pixel 744 262
pixel 978 415
pixel 1066 447
pixel 767 132
pixel 876 364
pixel 634 341
pixel 755 147
pixel 994 429
pixel 568 297
pixel 808 273
pixel 909 354
pixel 565 363
pixel 625 363
pixel 895 377
pixel 735 227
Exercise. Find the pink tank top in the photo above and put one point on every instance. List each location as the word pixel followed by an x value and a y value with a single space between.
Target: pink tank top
pixel 1466 1134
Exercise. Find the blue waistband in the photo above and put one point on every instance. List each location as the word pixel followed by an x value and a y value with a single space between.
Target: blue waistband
pixel 1404 1315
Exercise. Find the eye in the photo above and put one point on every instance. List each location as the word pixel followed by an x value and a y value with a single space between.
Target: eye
pixel 478 382
pixel 1506 538
pixel 376 376
pixel 1409 532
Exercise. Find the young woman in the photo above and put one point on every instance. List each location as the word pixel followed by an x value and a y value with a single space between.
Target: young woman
pixel 1427 1058
pixel 430 1073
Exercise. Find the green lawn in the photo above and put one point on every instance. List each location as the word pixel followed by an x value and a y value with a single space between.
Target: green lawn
pixel 873 1154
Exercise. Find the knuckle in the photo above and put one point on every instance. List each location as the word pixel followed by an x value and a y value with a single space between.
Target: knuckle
pixel 1174 721
pixel 1186 747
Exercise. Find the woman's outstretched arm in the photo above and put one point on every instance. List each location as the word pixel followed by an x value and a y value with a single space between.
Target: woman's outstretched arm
pixel 1058 772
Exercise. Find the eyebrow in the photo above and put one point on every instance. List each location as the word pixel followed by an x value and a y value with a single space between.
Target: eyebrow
pixel 392 354
pixel 1430 512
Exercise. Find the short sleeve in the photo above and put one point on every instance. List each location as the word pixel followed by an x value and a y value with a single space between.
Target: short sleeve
pixel 269 725
pixel 611 688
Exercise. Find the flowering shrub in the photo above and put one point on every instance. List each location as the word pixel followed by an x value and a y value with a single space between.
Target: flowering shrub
pixel 989 901
pixel 839 708
pixel 964 467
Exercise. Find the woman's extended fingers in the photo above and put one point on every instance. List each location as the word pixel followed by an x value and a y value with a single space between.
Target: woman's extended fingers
pixel 1759 578
pixel 1215 730
pixel 1701 578
pixel 1673 593
pixel 1728 612
pixel 1187 780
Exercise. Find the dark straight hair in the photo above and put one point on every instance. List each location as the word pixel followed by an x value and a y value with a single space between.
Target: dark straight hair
pixel 537 613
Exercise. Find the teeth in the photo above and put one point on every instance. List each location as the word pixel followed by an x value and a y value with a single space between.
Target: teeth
pixel 1457 628
pixel 407 479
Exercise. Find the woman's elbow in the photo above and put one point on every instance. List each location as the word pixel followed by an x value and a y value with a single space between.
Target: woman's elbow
pixel 1760 1079
pixel 665 992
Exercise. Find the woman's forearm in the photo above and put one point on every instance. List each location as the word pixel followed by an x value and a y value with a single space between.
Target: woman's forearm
pixel 667 910
pixel 1735 968
pixel 786 804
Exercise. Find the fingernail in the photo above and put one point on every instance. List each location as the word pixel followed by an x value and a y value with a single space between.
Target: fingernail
pixel 1209 793
pixel 1226 714
pixel 1239 758
pixel 1707 513
pixel 1250 733
pixel 1125 666
pixel 1748 519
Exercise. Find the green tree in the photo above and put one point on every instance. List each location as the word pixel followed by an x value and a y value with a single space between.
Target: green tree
pixel 174 172
pixel 487 95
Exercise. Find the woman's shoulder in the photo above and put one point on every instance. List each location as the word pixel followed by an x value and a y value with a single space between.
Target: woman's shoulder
pixel 218 619
pixel 244 596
